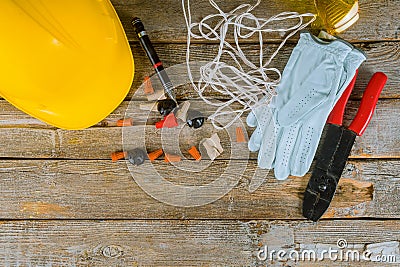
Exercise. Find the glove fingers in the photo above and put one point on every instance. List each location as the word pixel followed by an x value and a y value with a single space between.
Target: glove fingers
pixel 304 154
pixel 255 140
pixel 284 151
pixel 256 113
pixel 263 121
pixel 308 143
pixel 266 155
pixel 251 119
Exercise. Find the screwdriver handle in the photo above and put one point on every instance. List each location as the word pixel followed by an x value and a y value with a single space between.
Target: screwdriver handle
pixel 146 44
pixel 152 55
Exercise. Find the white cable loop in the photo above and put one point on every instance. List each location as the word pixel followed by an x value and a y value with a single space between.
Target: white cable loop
pixel 245 82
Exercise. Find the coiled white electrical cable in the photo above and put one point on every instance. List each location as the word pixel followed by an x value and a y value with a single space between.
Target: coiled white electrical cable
pixel 245 83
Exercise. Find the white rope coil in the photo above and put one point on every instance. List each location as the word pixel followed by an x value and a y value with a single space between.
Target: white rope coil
pixel 247 82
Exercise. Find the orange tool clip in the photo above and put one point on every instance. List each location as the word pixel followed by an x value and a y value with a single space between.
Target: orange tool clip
pixel 172 158
pixel 118 155
pixel 169 121
pixel 240 135
pixel 125 122
pixel 148 87
pixel 194 153
pixel 155 154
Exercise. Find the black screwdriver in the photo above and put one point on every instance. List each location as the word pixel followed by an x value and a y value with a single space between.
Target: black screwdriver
pixel 167 105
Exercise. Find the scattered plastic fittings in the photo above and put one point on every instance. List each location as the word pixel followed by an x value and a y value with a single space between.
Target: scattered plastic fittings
pixel 195 118
pixel 194 153
pixel 148 87
pixel 171 112
pixel 115 156
pixel 172 158
pixel 240 138
pixel 182 110
pixel 135 156
pixel 211 146
pixel 155 154
pixel 125 122
pixel 165 106
pixel 169 121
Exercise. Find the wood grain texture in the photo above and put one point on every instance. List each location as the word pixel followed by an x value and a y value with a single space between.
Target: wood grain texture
pixel 188 243
pixel 381 56
pixel 165 21
pixel 22 139
pixel 96 189
pixel 64 203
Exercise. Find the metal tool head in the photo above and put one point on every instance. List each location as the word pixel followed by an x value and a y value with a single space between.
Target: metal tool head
pixel 166 106
pixel 335 149
pixel 318 195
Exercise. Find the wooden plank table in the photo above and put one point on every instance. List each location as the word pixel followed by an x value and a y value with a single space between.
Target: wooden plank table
pixel 64 203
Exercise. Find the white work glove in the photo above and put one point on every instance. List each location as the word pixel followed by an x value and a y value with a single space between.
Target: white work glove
pixel 288 131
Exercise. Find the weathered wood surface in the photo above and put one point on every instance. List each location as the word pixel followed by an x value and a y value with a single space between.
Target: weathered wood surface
pixel 25 137
pixel 96 189
pixel 64 203
pixel 164 20
pixel 381 56
pixel 190 243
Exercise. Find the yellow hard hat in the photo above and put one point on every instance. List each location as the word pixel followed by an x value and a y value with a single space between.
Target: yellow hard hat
pixel 67 63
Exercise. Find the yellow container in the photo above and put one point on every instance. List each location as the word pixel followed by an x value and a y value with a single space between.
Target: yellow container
pixel 336 15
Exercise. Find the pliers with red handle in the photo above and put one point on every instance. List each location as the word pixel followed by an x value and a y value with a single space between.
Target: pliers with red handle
pixel 336 147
